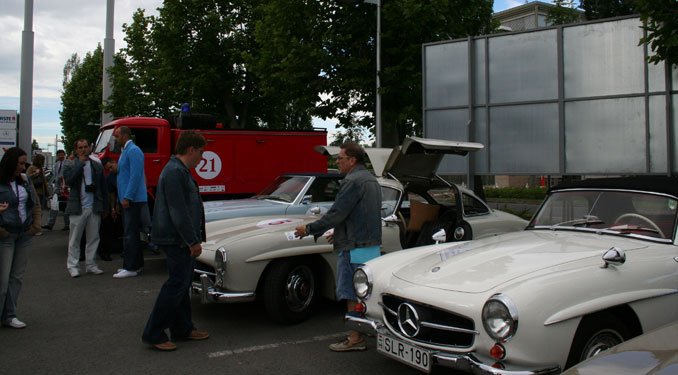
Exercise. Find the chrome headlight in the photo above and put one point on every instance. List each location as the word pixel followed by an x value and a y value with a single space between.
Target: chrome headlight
pixel 362 282
pixel 220 266
pixel 500 317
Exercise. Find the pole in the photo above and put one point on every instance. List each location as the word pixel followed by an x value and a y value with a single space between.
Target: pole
pixel 377 115
pixel 26 90
pixel 377 111
pixel 109 46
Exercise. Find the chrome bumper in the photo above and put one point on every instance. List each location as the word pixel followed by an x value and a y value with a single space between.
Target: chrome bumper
pixel 466 362
pixel 210 294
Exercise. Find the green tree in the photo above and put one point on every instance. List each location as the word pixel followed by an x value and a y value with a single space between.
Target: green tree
pixel 277 63
pixel 81 98
pixel 35 146
pixel 597 9
pixel 660 19
pixel 562 13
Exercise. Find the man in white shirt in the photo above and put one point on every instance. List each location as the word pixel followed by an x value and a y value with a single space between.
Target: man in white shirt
pixel 87 201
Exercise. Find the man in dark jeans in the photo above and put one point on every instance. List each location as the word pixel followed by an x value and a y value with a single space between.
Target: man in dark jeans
pixel 178 230
pixel 133 199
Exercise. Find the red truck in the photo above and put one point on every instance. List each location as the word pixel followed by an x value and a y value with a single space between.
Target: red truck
pixel 236 163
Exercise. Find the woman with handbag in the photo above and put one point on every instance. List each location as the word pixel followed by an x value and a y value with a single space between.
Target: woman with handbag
pixel 19 221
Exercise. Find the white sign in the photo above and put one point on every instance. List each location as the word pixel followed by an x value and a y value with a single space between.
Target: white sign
pixel 210 165
pixel 7 119
pixel 7 130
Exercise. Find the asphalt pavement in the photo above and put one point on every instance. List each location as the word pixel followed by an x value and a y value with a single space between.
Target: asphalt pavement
pixel 93 325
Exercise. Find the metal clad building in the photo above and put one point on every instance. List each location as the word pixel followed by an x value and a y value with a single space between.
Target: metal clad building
pixel 573 99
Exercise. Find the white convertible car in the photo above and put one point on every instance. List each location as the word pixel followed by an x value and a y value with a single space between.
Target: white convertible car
pixel 258 257
pixel 597 265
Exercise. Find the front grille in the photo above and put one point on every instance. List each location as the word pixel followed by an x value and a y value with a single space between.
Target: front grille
pixel 437 327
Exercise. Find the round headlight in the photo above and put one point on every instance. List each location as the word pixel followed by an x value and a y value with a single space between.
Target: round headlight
pixel 500 317
pixel 362 282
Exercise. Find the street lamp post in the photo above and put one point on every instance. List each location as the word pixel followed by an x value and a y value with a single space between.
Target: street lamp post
pixel 377 111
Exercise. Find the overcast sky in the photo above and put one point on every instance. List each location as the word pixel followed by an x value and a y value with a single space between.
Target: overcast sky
pixel 62 28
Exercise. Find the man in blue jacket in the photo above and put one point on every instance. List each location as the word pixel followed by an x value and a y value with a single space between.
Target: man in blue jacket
pixel 132 196
pixel 178 230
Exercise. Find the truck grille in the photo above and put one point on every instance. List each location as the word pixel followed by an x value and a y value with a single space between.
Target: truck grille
pixel 435 326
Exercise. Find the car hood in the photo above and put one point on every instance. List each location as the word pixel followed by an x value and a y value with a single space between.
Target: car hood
pixel 480 265
pixel 229 231
pixel 214 207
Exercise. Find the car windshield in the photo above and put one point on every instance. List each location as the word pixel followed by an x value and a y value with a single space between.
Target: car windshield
pixel 627 213
pixel 102 141
pixel 284 188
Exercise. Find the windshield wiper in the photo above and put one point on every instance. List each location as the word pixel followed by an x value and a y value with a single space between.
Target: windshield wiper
pixel 585 221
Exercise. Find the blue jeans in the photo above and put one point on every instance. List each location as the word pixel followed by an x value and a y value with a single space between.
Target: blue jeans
pixel 13 260
pixel 345 271
pixel 173 306
pixel 133 258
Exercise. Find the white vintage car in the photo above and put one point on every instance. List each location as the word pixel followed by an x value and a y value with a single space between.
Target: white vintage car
pixel 258 257
pixel 597 265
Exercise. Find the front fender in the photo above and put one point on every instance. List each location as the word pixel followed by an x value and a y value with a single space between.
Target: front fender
pixel 605 302
pixel 291 252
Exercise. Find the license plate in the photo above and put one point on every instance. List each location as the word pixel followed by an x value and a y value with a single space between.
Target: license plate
pixel 404 352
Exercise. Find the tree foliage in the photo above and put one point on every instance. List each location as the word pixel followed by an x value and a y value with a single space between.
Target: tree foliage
pixel 660 19
pixel 278 63
pixel 562 13
pixel 81 97
pixel 597 9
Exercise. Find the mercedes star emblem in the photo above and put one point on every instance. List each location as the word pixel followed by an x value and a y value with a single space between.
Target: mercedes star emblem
pixel 408 320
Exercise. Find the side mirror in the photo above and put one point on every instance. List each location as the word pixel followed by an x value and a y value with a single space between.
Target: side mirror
pixel 614 256
pixel 439 236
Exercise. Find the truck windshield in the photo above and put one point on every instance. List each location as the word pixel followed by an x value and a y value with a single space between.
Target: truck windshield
pixel 102 141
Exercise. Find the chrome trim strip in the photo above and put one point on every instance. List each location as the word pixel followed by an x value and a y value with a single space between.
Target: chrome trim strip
pixel 449 328
pixel 210 294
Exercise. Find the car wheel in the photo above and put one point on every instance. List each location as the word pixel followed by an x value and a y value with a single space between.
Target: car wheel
pixel 288 291
pixel 594 335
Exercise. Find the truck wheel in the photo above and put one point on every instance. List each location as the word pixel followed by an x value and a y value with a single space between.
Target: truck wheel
pixel 288 291
pixel 595 334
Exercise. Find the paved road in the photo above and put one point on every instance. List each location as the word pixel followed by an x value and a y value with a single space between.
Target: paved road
pixel 93 324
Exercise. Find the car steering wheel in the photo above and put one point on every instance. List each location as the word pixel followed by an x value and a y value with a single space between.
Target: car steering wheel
pixel 643 218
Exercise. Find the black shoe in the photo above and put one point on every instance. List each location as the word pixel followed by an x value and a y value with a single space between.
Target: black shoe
pixel 65 228
pixel 48 227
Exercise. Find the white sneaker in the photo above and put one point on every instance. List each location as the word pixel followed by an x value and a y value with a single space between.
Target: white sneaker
pixel 95 270
pixel 74 272
pixel 140 270
pixel 124 274
pixel 14 323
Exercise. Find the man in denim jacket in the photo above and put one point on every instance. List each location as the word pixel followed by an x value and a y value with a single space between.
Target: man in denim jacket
pixel 178 230
pixel 356 219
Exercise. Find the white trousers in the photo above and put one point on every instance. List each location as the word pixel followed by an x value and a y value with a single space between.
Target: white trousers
pixel 88 222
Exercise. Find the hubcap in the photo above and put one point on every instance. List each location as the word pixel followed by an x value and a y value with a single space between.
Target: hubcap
pixel 602 341
pixel 300 288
